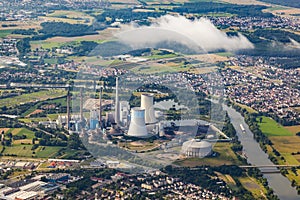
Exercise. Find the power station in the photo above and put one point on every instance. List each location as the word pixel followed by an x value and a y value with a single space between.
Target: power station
pixel 147 104
pixel 137 126
pixel 130 127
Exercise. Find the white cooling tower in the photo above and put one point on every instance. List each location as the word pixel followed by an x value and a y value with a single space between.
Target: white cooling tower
pixel 147 104
pixel 137 127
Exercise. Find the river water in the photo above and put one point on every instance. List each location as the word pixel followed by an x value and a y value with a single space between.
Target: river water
pixel 256 156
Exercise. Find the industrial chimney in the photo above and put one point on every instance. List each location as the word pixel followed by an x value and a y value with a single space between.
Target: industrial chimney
pixel 68 109
pixel 117 109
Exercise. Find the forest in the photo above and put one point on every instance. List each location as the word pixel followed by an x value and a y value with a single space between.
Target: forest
pixel 52 29
pixel 291 3
pixel 211 7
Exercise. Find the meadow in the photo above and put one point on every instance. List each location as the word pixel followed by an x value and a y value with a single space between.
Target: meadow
pixel 4 33
pixel 32 97
pixel 271 128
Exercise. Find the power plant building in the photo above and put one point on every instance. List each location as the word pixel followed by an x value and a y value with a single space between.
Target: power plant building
pixel 196 148
pixel 124 112
pixel 147 104
pixel 137 127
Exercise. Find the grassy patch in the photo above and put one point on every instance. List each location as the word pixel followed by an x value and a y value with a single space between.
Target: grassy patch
pixel 32 97
pixel 22 131
pixel 47 152
pixel 225 54
pixel 30 120
pixel 271 128
pixel 254 187
pixel 19 150
pixel 4 33
pixel 249 109
pixel 44 44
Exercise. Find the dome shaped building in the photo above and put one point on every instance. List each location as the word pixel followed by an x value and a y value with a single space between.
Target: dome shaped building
pixel 196 148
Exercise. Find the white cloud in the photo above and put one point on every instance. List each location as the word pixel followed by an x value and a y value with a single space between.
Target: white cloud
pixel 198 34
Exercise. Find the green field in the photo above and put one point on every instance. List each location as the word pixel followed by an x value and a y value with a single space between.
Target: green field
pixel 47 152
pixel 18 150
pixel 62 101
pixel 271 128
pixel 22 131
pixel 25 151
pixel 44 44
pixel 4 33
pixel 32 97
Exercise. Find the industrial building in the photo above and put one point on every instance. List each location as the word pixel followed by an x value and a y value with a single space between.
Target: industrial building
pixel 137 126
pixel 196 148
pixel 147 104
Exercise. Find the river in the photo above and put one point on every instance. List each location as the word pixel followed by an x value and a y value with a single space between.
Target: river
pixel 256 156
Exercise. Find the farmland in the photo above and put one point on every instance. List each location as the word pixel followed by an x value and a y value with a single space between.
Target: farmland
pixel 32 97
pixel 271 128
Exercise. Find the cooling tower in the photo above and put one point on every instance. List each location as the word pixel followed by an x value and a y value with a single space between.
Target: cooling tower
pixel 147 104
pixel 137 127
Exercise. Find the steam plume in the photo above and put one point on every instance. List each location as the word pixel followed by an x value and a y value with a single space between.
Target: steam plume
pixel 199 34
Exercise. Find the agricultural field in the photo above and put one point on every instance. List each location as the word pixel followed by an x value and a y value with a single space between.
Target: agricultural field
pixel 47 152
pixel 254 187
pixel 25 151
pixel 271 128
pixel 293 129
pixel 18 150
pixel 22 131
pixel 72 17
pixel 158 68
pixel 59 101
pixel 32 97
pixel 35 24
pixel 286 144
pixel 226 157
pixel 4 33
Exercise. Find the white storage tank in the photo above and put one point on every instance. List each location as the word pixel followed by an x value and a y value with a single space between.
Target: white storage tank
pixel 196 148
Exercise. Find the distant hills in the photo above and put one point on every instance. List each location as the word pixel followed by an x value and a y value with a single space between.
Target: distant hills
pixel 290 3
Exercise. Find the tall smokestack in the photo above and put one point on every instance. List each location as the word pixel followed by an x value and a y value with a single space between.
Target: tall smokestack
pixel 100 107
pixel 68 109
pixel 117 109
pixel 81 104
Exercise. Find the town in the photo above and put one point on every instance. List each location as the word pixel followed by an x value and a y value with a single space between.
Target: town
pixel 149 99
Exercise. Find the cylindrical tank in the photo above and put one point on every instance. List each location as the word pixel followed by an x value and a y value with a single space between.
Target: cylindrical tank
pixel 147 104
pixel 137 127
pixel 93 124
pixel 195 148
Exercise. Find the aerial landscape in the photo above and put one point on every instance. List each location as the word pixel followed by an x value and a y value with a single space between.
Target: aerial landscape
pixel 150 99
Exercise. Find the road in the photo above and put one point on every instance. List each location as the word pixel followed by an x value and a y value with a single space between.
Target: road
pixel 256 156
